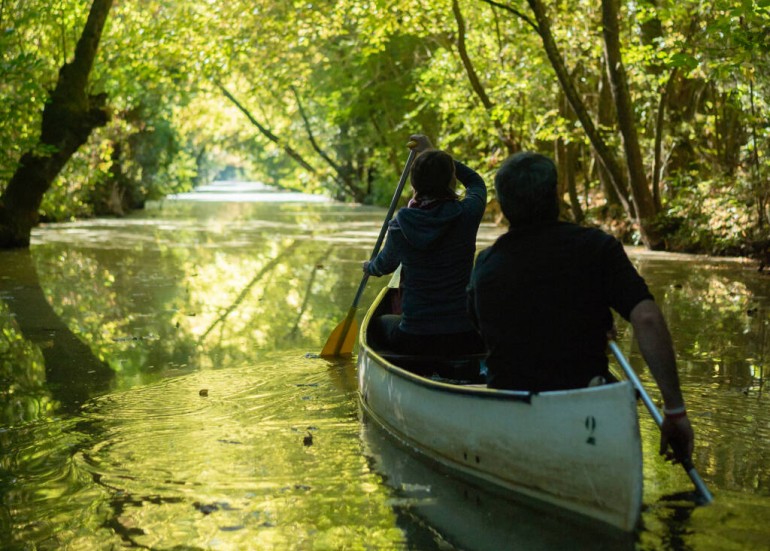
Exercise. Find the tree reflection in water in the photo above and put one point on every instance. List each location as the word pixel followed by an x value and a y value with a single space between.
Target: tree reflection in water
pixel 43 355
pixel 111 329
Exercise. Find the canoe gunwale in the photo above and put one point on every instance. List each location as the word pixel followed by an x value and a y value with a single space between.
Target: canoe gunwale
pixel 487 393
pixel 475 390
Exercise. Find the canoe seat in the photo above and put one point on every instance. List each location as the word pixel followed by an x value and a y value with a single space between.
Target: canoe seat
pixel 456 370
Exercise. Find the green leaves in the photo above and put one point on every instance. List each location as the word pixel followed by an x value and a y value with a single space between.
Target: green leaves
pixel 343 83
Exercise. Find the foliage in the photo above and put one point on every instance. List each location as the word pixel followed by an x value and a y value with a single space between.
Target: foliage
pixel 342 84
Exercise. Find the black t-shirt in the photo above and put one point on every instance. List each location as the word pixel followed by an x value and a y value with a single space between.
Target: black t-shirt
pixel 541 297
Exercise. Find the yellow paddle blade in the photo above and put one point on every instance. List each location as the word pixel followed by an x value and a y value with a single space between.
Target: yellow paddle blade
pixel 343 338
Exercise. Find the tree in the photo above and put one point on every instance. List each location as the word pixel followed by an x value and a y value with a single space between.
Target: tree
pixel 642 209
pixel 68 119
pixel 644 206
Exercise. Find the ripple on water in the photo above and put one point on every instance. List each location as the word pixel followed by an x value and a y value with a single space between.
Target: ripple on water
pixel 277 440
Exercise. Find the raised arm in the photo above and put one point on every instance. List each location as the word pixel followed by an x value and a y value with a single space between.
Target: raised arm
pixel 475 188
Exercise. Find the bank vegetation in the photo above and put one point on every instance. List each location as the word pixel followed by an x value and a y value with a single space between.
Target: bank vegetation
pixel 655 111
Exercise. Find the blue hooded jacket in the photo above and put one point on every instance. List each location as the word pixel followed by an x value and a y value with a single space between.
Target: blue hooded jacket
pixel 435 247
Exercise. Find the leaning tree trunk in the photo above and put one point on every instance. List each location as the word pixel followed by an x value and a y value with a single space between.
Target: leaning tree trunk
pixel 646 210
pixel 606 156
pixel 68 119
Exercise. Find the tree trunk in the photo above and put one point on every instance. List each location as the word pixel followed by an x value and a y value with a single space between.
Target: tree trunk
pixel 606 119
pixel 657 161
pixel 603 152
pixel 574 198
pixel 640 191
pixel 510 145
pixel 566 160
pixel 69 117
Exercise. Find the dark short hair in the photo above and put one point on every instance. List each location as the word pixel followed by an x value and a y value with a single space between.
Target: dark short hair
pixel 526 186
pixel 433 174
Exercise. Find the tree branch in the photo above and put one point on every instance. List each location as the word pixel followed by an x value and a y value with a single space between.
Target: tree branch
pixel 266 132
pixel 515 12
pixel 473 77
pixel 311 137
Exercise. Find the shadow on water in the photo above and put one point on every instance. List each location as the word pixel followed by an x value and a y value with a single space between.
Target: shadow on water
pixel 72 373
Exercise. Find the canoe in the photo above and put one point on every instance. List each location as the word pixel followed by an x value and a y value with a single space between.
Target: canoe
pixel 579 450
pixel 469 515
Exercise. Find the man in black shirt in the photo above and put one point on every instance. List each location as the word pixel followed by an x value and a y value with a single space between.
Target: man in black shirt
pixel 541 297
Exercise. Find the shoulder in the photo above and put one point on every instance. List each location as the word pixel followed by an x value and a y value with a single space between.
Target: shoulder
pixel 587 231
pixel 586 236
pixel 490 259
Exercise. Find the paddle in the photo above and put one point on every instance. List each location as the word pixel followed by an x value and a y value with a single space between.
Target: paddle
pixel 634 378
pixel 343 337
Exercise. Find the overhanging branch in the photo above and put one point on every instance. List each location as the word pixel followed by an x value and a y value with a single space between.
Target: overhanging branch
pixel 266 132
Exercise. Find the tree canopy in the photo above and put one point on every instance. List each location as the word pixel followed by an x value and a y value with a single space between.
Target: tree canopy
pixel 655 111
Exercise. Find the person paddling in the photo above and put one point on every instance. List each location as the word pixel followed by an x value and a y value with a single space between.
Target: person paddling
pixel 434 241
pixel 542 297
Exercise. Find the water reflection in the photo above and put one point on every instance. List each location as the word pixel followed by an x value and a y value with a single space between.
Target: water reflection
pixel 719 312
pixel 155 392
pixel 38 347
pixel 200 297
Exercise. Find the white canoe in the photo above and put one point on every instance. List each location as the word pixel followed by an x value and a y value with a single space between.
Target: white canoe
pixel 577 449
pixel 470 515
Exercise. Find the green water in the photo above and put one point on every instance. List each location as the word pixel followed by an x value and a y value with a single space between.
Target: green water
pixel 159 389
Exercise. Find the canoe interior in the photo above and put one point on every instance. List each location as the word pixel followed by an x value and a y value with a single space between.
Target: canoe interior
pixel 465 370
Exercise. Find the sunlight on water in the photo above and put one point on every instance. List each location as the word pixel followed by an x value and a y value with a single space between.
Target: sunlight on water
pixel 246 192
pixel 160 389
pixel 225 454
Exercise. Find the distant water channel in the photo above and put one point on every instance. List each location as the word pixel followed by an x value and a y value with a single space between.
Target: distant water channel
pixel 159 389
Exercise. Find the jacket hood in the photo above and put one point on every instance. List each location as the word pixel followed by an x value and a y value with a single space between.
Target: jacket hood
pixel 422 227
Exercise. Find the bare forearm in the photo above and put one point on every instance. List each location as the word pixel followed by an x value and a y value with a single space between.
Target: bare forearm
pixel 657 348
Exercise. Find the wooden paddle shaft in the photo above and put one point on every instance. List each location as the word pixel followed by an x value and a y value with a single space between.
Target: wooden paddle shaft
pixel 388 216
pixel 334 348
pixel 652 408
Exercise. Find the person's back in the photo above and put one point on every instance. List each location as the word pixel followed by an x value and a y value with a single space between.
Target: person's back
pixel 438 245
pixel 434 241
pixel 542 298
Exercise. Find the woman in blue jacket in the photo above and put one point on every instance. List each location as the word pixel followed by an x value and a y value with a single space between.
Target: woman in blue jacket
pixel 434 240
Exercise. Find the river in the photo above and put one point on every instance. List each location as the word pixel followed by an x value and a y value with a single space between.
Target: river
pixel 160 389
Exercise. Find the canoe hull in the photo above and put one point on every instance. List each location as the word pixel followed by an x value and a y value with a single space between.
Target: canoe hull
pixel 577 449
